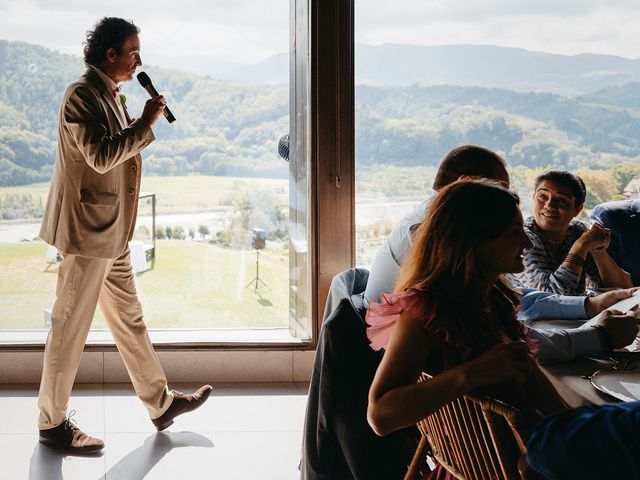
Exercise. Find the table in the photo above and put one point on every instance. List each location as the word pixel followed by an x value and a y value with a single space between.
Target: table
pixel 568 379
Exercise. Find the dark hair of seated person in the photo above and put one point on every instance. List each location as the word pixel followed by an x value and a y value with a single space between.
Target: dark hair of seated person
pixel 470 161
pixel 573 183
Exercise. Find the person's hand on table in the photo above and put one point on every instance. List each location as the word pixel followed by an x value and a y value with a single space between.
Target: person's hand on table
pixel 622 327
pixel 594 305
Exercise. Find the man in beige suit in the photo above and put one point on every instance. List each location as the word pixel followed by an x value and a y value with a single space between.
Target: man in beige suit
pixel 90 217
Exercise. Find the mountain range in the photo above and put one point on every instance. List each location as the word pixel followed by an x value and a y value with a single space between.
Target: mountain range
pixel 467 65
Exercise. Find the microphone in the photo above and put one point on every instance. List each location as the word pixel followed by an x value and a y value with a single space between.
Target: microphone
pixel 145 81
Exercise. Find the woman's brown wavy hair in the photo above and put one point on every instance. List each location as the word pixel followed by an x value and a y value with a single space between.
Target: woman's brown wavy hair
pixel 464 215
pixel 442 262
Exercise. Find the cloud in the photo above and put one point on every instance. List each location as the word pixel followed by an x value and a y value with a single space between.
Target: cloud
pixel 246 31
pixel 243 31
pixel 571 27
pixel 246 12
pixel 407 13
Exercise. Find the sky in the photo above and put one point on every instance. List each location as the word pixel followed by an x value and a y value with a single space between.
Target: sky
pixel 183 33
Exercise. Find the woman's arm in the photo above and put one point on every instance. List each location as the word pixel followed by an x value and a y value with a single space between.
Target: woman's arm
pixel 397 401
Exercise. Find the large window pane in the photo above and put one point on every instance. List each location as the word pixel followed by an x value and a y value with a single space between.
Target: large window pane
pixel 212 242
pixel 545 85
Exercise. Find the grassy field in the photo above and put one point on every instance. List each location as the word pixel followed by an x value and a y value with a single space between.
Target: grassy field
pixel 191 193
pixel 193 285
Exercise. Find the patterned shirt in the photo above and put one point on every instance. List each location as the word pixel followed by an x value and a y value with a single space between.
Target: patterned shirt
pixel 544 271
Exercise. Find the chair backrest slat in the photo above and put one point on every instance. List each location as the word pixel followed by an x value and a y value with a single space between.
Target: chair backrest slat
pixel 476 458
pixel 463 440
pixel 487 442
pixel 476 438
pixel 455 443
pixel 435 437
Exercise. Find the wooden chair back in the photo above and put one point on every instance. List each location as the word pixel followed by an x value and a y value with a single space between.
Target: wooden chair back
pixel 474 438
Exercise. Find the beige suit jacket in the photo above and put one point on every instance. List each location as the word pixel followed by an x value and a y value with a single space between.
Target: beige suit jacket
pixel 92 204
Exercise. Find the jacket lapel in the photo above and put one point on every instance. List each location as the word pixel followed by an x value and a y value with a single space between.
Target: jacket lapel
pixel 126 113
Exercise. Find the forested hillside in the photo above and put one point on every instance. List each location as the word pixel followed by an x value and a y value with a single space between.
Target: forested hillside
pixel 232 128
pixel 413 125
pixel 223 128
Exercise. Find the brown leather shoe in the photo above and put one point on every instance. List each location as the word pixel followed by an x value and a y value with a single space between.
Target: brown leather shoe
pixel 182 403
pixel 68 438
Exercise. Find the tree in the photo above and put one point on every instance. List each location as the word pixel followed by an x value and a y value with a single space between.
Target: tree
pixel 178 233
pixel 204 231
pixel 192 233
pixel 624 173
pixel 601 187
pixel 160 232
pixel 169 232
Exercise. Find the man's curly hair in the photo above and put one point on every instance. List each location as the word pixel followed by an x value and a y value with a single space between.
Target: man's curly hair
pixel 109 32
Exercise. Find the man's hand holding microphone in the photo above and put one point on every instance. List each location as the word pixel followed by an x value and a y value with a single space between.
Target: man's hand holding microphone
pixel 153 109
pixel 157 105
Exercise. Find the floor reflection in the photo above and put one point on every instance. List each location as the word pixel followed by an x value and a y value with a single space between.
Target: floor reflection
pixel 46 463
pixel 137 464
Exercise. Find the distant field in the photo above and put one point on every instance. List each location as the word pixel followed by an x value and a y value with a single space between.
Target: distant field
pixel 181 194
pixel 201 192
pixel 193 285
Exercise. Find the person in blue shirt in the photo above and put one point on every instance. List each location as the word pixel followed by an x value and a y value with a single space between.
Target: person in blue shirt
pixel 470 161
pixel 623 219
pixel 589 442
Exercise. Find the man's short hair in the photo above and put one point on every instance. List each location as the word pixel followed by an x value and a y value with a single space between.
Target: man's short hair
pixel 573 183
pixel 109 32
pixel 469 160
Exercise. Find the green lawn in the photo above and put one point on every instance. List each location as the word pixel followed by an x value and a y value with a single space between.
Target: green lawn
pixel 193 285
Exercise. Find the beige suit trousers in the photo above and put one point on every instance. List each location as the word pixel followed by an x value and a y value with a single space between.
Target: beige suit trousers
pixel 83 282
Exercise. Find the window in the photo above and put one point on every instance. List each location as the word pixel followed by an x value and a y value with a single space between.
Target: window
pixel 223 232
pixel 532 81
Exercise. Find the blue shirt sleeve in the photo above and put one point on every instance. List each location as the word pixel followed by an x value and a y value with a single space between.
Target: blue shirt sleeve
pixel 565 345
pixel 537 305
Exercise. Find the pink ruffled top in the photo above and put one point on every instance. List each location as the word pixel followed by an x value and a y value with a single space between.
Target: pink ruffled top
pixel 420 305
pixel 382 317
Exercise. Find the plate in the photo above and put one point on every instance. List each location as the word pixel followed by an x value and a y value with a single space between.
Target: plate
pixel 621 384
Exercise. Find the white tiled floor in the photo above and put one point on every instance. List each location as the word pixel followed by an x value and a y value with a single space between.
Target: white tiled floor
pixel 244 431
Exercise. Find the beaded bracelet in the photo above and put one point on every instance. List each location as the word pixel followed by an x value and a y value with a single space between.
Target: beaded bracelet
pixel 574 259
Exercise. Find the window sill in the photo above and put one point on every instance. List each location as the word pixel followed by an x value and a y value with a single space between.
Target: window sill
pixel 207 355
pixel 195 338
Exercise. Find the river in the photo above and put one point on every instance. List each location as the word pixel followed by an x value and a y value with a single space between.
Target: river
pixel 366 214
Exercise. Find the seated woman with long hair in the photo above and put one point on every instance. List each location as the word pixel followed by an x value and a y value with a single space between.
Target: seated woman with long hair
pixel 452 314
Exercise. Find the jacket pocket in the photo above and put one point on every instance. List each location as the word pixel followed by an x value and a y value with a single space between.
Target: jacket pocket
pixel 98 199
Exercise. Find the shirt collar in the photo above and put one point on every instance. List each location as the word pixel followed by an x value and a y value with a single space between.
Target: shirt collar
pixel 110 84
